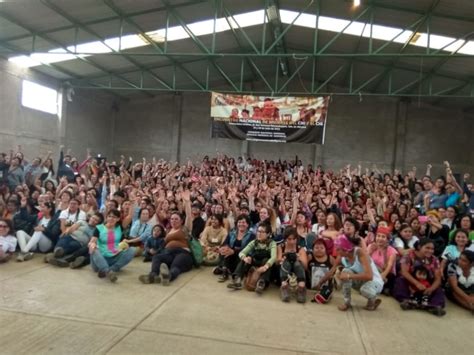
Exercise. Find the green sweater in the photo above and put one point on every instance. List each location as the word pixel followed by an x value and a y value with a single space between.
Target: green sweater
pixel 256 245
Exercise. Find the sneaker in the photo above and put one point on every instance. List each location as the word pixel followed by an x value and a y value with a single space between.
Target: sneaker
pixel 223 278
pixel 149 279
pixel 112 276
pixel 301 295
pixel 407 305
pixel 437 311
pixel 102 274
pixel 236 284
pixel 20 257
pixel 78 262
pixel 58 262
pixel 373 304
pixel 165 274
pixel 285 294
pixel 218 271
pixel 58 252
pixel 48 257
pixel 260 286
pixel 28 256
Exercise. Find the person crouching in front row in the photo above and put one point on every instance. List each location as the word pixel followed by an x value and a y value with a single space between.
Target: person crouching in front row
pixel 293 262
pixel 260 253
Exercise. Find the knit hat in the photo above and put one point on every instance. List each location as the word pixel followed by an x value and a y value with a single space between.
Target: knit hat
pixel 343 243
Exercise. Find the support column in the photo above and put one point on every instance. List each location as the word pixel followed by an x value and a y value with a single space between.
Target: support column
pixel 318 155
pixel 244 149
pixel 399 146
pixel 175 155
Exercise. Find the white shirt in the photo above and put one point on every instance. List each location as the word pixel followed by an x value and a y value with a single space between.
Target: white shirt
pixel 44 222
pixel 8 244
pixel 73 217
pixel 398 242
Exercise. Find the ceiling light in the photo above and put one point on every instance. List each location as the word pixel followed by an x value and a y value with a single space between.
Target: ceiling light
pixel 356 3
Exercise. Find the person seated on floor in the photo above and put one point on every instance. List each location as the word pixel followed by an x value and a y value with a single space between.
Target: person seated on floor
pixel 211 239
pixel 463 222
pixel 73 243
pixel 405 241
pixel 319 277
pixel 293 262
pixel 155 244
pixel 176 257
pixel 46 231
pixel 7 240
pixel 140 231
pixel 423 255
pixel 458 244
pixel 461 280
pixel 237 240
pixel 384 257
pixel 359 271
pixel 71 215
pixel 108 255
pixel 261 254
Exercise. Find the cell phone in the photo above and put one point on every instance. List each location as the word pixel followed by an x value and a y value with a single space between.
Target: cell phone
pixel 423 219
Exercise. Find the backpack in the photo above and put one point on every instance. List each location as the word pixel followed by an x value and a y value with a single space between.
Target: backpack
pixel 196 250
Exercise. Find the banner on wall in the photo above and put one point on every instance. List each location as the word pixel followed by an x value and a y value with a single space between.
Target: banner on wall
pixel 270 119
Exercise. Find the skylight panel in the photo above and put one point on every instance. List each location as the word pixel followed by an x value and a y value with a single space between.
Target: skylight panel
pixel 253 18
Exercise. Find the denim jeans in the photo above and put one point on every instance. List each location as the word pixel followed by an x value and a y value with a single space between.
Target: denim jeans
pixel 69 244
pixel 114 263
pixel 368 289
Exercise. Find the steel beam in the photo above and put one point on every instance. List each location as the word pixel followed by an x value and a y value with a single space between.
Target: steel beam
pixel 60 45
pixel 77 23
pixel 421 21
pixel 156 46
pixel 198 43
pixel 104 19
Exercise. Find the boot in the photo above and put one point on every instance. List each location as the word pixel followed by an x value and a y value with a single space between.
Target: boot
pixel 301 294
pixel 285 293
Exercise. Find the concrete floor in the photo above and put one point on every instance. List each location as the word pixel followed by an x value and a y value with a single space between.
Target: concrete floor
pixel 44 309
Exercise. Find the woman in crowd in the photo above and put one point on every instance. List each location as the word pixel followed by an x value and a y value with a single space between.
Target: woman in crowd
pixel 384 257
pixel 331 230
pixel 175 259
pixel 319 271
pixel 359 272
pixel 236 240
pixel 293 262
pixel 140 232
pixel 260 253
pixel 108 255
pixel 405 242
pixel 464 222
pixel 461 280
pixel 419 284
pixel 7 240
pixel 212 238
pixel 452 252
pixel 45 233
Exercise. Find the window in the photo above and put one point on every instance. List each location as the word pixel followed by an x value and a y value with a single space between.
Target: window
pixel 39 97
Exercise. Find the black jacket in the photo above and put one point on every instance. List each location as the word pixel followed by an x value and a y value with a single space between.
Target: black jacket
pixel 29 221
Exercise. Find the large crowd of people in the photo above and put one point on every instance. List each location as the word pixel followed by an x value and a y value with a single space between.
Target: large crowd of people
pixel 306 229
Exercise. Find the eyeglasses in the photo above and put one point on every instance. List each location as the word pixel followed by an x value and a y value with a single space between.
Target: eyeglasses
pixel 3 226
pixel 261 231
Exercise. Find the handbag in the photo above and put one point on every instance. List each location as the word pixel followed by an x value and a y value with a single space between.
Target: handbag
pixel 251 280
